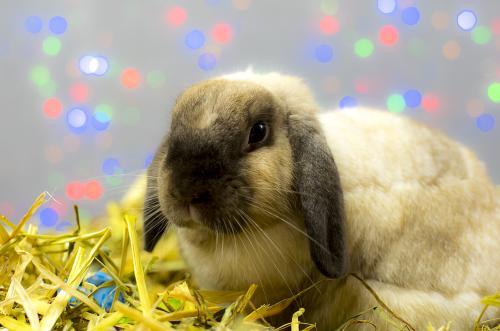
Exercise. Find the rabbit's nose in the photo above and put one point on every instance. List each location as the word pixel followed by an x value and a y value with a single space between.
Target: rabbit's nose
pixel 201 198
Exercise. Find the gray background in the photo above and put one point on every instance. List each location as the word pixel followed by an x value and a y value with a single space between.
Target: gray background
pixel 267 35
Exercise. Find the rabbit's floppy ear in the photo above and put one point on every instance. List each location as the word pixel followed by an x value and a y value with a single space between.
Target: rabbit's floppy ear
pixel 318 184
pixel 155 222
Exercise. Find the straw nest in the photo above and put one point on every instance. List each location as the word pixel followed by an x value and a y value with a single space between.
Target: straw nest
pixel 91 279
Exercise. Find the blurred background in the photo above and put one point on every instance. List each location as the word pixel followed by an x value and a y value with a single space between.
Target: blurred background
pixel 86 87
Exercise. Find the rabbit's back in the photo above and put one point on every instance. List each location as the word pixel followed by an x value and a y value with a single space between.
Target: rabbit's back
pixel 421 210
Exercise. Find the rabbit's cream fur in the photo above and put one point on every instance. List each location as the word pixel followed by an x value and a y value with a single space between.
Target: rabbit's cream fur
pixel 422 224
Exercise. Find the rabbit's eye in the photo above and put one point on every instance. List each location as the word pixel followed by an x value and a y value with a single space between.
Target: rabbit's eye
pixel 258 133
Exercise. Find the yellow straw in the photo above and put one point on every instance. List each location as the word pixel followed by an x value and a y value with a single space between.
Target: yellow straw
pixel 138 271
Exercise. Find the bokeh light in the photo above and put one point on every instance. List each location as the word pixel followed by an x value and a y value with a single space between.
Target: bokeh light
pixel 100 120
pixel 348 102
pixel 93 65
pixel 53 154
pixel 329 25
pixel 485 122
pixel 40 75
pixel 466 20
pixel 156 79
pixel 395 103
pixel 110 166
pixel 410 15
pixel 52 107
pixel 222 33
pixel 363 47
pixel 430 103
pixel 323 53
pixel 33 24
pixel 75 190
pixel 195 39
pixel 51 46
pixel 330 7
pixel 93 190
pixel 48 89
pixel 131 78
pixel 58 25
pixel 440 20
pixel 386 6
pixel 48 217
pixel 475 107
pixel 481 35
pixel 77 119
pixel 79 92
pixel 451 50
pixel 494 92
pixel 176 16
pixel 388 35
pixel 495 26
pixel 412 98
pixel 207 61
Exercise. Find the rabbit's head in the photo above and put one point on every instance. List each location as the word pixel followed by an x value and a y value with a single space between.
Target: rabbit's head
pixel 247 151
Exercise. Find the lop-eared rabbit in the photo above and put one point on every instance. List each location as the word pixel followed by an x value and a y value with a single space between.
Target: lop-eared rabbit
pixel 262 188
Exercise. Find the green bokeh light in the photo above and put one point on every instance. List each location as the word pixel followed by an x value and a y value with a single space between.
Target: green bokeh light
pixel 40 75
pixel 494 92
pixel 48 90
pixel 156 79
pixel 51 46
pixel 131 116
pixel 330 7
pixel 105 109
pixel 481 35
pixel 363 47
pixel 396 103
pixel 417 47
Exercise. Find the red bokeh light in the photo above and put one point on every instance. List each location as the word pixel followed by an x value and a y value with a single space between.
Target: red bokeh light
pixel 93 190
pixel 75 190
pixel 52 107
pixel 329 25
pixel 388 35
pixel 430 103
pixel 176 16
pixel 131 78
pixel 495 26
pixel 79 92
pixel 222 33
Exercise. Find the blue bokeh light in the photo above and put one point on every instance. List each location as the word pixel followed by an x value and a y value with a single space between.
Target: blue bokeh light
pixel 207 61
pixel 348 102
pixel 413 98
pixel 110 166
pixel 466 20
pixel 33 24
pixel 77 120
pixel 58 25
pixel 100 120
pixel 485 122
pixel 48 217
pixel 323 53
pixel 410 15
pixel 386 6
pixel 195 39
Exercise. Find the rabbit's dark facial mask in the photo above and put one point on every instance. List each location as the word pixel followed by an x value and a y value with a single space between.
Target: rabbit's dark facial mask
pixel 220 132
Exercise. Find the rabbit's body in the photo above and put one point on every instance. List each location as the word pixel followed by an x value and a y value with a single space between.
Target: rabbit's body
pixel 424 231
pixel 414 213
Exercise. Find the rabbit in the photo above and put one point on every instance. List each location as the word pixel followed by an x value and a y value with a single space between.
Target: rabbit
pixel 260 187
